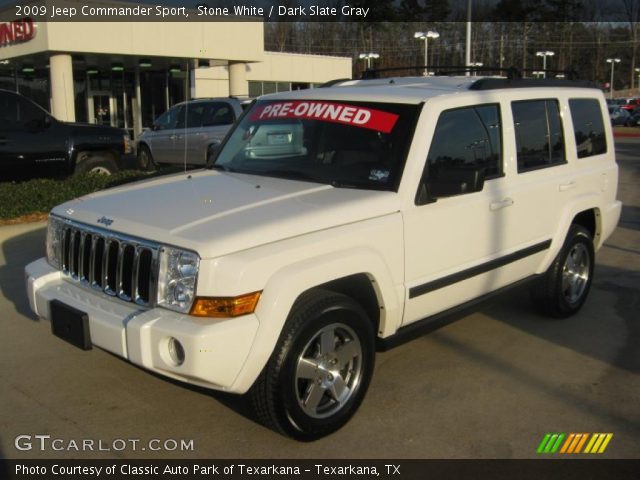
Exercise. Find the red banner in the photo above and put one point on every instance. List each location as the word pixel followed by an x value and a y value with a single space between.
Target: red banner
pixel 356 116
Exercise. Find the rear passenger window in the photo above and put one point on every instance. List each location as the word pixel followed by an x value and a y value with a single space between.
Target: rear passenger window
pixel 539 138
pixel 467 137
pixel 218 114
pixel 588 126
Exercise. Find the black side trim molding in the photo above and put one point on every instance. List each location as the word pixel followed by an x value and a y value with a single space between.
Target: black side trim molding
pixel 478 269
pixel 442 319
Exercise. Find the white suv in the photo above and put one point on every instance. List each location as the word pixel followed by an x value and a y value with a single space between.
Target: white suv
pixel 333 222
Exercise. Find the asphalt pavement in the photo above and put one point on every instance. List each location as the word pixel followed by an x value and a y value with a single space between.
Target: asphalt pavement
pixel 490 385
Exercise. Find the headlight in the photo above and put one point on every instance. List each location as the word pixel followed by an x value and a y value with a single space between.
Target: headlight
pixel 54 241
pixel 177 279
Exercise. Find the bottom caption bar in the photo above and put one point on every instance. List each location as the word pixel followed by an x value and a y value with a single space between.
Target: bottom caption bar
pixel 321 469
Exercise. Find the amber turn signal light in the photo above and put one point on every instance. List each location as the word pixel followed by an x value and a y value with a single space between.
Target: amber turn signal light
pixel 225 307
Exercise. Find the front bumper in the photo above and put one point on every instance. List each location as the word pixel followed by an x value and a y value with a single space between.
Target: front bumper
pixel 215 349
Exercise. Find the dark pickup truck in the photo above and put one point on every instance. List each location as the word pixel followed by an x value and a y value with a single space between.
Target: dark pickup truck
pixel 32 141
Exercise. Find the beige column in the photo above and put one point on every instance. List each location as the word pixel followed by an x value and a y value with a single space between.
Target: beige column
pixel 62 98
pixel 238 86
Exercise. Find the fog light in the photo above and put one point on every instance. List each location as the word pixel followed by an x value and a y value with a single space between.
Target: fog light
pixel 176 351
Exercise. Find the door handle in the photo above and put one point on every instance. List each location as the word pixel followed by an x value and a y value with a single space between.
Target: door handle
pixel 3 140
pixel 507 202
pixel 567 186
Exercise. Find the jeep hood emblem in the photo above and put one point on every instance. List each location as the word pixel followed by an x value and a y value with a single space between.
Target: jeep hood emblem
pixel 105 221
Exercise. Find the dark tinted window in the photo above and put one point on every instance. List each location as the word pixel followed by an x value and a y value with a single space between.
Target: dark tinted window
pixel 539 138
pixel 467 137
pixel 170 118
pixel 588 126
pixel 218 113
pixel 8 111
pixel 192 116
pixel 28 112
pixel 17 112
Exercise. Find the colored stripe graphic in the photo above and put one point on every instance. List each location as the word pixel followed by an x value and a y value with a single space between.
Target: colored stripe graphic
pixel 598 442
pixel 574 443
pixel 550 443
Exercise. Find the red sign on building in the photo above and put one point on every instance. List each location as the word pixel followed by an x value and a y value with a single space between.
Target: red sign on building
pixel 16 31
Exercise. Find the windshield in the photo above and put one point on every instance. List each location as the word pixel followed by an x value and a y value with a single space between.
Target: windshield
pixel 355 144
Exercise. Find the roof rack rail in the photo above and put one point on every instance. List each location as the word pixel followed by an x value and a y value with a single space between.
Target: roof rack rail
pixel 511 73
pixel 333 82
pixel 440 70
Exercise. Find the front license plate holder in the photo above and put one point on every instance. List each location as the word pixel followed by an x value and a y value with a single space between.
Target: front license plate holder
pixel 70 324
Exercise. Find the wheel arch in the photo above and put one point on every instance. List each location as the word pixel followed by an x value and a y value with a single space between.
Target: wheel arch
pixel 370 286
pixel 585 212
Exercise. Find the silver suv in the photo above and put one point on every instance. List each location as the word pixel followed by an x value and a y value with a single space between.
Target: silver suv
pixel 186 133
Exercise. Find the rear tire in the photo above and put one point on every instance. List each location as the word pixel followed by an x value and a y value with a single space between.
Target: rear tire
pixel 563 289
pixel 319 370
pixel 103 164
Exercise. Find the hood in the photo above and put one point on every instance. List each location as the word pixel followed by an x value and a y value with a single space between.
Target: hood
pixel 216 213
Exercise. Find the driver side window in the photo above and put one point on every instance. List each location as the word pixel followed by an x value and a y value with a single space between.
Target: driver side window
pixel 169 119
pixel 466 149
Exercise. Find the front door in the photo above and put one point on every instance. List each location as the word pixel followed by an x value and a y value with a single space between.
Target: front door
pixel 101 108
pixel 454 237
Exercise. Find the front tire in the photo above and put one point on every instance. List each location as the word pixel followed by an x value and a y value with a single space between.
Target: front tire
pixel 320 369
pixel 145 159
pixel 564 287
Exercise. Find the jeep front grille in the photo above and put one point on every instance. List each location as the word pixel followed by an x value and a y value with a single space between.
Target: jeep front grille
pixel 118 265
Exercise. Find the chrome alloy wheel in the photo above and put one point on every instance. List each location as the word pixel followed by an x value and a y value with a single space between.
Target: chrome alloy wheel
pixel 575 273
pixel 328 371
pixel 100 170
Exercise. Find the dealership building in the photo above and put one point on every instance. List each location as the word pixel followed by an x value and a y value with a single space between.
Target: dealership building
pixel 127 73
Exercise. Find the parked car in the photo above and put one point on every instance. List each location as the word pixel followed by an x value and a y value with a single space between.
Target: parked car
pixel 635 118
pixel 619 116
pixel 31 139
pixel 332 222
pixel 630 104
pixel 187 132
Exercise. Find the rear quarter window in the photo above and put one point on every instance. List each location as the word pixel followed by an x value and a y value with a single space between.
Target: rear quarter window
pixel 588 126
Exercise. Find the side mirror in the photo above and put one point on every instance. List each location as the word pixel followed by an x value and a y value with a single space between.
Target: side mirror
pixel 155 127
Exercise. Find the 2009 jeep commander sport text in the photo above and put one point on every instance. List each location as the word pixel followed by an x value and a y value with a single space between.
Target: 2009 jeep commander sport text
pixel 333 221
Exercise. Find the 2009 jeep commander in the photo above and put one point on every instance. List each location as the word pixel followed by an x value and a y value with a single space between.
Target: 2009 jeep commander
pixel 332 220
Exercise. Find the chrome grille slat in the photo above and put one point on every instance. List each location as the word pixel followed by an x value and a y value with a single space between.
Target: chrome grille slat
pixel 115 264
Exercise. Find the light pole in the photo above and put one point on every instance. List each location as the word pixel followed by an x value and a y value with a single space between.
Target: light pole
pixel 544 56
pixel 638 72
pixel 367 58
pixel 613 62
pixel 426 36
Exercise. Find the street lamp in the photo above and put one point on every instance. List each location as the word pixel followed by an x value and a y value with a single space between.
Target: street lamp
pixel 544 56
pixel 612 61
pixel 367 58
pixel 426 36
